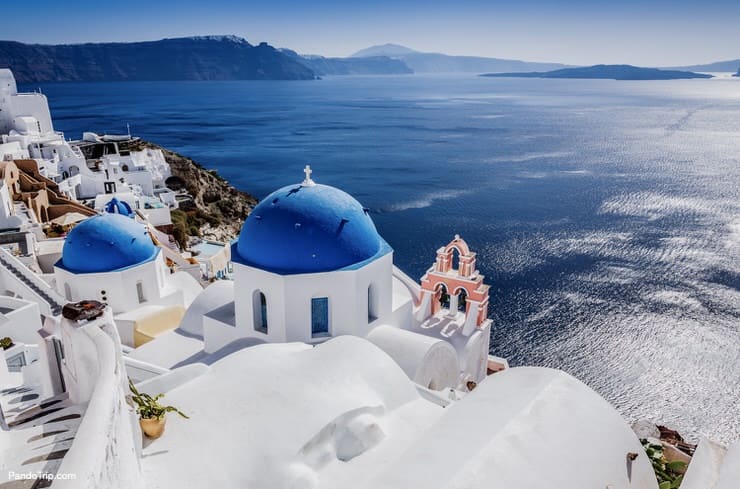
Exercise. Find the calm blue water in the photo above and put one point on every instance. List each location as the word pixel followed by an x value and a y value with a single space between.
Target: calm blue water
pixel 605 214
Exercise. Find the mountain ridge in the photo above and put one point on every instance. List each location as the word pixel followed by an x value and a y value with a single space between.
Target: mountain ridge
pixel 422 62
pixel 717 66
pixel 185 58
pixel 387 49
pixel 373 65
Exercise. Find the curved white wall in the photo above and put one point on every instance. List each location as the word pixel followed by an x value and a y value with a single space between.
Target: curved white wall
pixel 429 362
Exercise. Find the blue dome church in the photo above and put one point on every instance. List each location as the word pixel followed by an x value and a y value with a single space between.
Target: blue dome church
pixel 113 259
pixel 309 264
pixel 106 243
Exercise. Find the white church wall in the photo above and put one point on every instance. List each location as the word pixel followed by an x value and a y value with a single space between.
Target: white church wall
pixel 247 280
pixel 288 299
pixel 338 287
pixel 376 302
pixel 117 289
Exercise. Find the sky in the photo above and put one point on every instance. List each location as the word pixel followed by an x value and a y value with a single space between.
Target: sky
pixel 646 33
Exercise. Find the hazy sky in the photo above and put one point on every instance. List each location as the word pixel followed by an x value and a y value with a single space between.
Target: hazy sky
pixel 650 32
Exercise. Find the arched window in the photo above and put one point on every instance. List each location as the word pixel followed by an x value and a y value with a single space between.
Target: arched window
pixel 455 263
pixel 442 295
pixel 319 316
pixel 372 303
pixel 259 311
pixel 462 300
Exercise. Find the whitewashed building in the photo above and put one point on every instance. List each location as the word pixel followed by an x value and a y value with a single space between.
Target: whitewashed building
pixel 112 258
pixel 309 265
pixel 27 131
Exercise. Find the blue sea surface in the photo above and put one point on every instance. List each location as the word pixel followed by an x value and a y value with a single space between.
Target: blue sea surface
pixel 605 215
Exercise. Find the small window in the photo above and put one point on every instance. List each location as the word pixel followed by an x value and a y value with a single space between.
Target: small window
pixel 140 291
pixel 67 291
pixel 319 316
pixel 259 310
pixel 372 307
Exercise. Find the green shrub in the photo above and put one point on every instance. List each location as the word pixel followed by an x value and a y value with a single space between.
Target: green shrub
pixel 669 474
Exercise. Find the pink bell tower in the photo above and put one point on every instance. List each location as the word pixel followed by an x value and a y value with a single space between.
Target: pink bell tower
pixel 445 282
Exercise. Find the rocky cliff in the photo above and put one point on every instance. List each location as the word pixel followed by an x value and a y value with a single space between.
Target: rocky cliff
pixel 214 209
pixel 190 58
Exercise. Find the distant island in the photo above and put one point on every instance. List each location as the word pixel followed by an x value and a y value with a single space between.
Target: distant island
pixel 372 65
pixel 608 72
pixel 188 58
pixel 421 62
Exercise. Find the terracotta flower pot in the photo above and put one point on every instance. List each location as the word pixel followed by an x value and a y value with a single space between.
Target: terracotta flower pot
pixel 152 427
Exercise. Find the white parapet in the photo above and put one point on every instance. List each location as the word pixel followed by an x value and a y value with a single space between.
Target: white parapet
pixel 104 451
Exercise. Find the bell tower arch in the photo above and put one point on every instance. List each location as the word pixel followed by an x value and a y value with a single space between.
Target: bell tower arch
pixel 456 286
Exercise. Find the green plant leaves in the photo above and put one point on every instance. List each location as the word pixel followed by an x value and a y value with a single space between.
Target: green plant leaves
pixel 668 474
pixel 148 407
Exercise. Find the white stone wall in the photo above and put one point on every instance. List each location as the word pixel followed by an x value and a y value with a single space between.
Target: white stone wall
pixel 30 105
pixel 12 151
pixel 289 300
pixel 22 322
pixel 120 287
pixel 14 105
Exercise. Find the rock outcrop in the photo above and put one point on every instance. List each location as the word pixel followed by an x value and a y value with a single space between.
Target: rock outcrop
pixel 212 208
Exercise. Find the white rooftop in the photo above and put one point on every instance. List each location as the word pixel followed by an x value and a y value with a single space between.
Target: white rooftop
pixel 343 414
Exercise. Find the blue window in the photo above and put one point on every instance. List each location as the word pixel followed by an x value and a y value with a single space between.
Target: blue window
pixel 319 316
pixel 259 308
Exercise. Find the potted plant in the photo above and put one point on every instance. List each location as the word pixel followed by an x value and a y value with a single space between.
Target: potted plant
pixel 152 415
pixel 6 343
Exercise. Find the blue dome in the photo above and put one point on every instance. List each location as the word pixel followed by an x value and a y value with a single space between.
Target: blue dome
pixel 106 243
pixel 308 229
pixel 115 206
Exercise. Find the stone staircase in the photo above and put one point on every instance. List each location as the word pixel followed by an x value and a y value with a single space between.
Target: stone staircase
pixel 40 432
pixel 33 284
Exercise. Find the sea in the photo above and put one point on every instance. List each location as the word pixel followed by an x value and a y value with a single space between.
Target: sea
pixel 605 214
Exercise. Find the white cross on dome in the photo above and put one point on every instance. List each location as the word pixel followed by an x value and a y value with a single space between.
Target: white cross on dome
pixel 307 182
